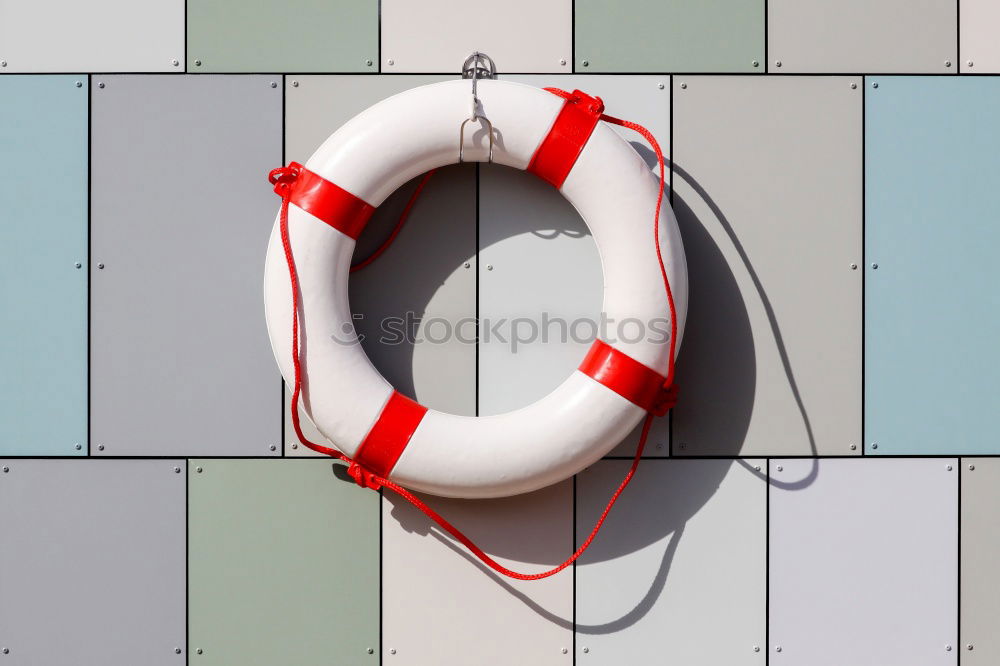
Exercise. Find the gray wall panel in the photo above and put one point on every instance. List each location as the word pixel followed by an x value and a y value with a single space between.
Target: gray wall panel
pixel 537 259
pixel 767 188
pixel 423 272
pixel 980 611
pixel 92 562
pixel 863 562
pixel 678 574
pixel 181 212
pixel 441 607
pixel 862 36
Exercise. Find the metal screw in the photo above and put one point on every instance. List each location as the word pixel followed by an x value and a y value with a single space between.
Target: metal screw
pixel 3 63
pixel 874 445
pixel 79 84
pixel 874 84
pixel 947 648
pixel 660 86
pixel 197 63
pixel 79 446
pixel 6 469
pixel 100 447
pixel 756 63
pixel 854 86
pixel 970 65
pixel 585 63
pixel 757 467
pixel 854 267
pixel 971 467
pixel 684 86
pixel 100 266
pixel 562 61
pixel 854 447
pixel 368 62
pixel 370 650
pixel 100 85
pixel 295 446
pixel 392 650
pixel 199 651
pixel 489 267
pixel 948 467
pixel 969 646
pixel 274 84
pixel 177 650
pixel 175 62
pixel 777 63
pixel 177 470
pixel 6 650
pixel 777 649
pixel 78 265
pixel 467 264
pixel 390 61
pixel 586 650
pixel 564 650
pixel 198 469
pixel 780 468
pixel 295 84
pixel 273 447
pixel 874 267
pixel 947 63
pixel 756 648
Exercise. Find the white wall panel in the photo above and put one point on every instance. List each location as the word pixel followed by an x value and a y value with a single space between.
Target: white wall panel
pixel 863 562
pixel 979 25
pixel 439 606
pixel 677 576
pixel 538 264
pixel 438 35
pixel 92 36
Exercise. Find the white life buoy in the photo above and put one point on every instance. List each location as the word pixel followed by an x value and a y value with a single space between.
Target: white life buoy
pixel 333 195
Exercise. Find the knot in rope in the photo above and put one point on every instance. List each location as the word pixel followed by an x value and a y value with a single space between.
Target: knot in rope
pixel 363 477
pixel 283 177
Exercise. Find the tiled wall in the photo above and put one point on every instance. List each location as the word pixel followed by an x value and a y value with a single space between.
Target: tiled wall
pixel 827 491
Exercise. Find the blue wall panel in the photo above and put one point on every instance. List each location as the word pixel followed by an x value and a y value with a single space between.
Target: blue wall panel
pixel 43 272
pixel 932 311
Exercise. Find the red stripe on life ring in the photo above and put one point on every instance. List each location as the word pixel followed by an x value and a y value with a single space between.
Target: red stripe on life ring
pixel 331 203
pixel 561 147
pixel 634 381
pixel 392 431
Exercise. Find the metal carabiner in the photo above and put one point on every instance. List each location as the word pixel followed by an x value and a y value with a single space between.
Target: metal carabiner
pixel 476 65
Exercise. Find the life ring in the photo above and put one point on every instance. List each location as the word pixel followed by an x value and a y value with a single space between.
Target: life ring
pixel 563 141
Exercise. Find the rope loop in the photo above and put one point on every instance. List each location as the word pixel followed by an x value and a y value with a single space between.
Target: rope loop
pixel 284 177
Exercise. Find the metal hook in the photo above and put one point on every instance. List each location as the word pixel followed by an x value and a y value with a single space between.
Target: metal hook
pixel 476 65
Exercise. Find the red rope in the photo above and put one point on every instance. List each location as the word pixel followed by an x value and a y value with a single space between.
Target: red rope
pixel 282 179
pixel 399 224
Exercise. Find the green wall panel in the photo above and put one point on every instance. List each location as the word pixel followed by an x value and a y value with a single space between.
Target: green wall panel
pixel 283 562
pixel 291 36
pixel 669 35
